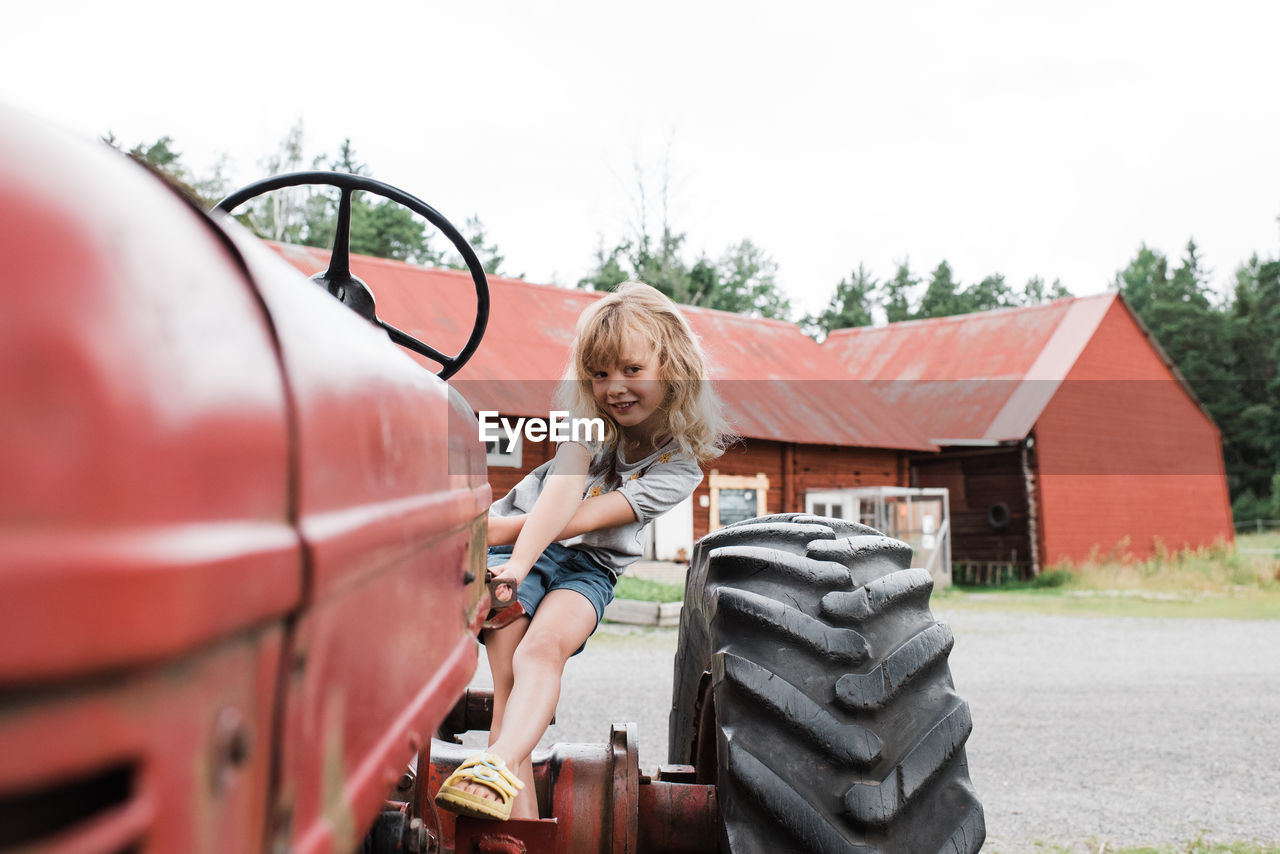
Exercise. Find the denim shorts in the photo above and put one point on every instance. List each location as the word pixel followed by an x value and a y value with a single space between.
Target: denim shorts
pixel 560 568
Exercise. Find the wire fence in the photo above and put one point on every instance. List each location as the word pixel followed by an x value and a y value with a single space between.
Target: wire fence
pixel 1258 526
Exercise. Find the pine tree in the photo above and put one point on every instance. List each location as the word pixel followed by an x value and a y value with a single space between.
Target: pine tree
pixel 895 294
pixel 850 306
pixel 941 296
pixel 990 293
pixel 1035 292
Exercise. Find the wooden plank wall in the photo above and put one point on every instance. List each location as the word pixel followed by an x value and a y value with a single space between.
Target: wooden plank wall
pixel 792 470
pixel 976 479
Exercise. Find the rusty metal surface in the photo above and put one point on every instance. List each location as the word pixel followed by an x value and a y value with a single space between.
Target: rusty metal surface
pixel 986 375
pixel 592 800
pixel 515 836
pixel 677 818
pixel 777 382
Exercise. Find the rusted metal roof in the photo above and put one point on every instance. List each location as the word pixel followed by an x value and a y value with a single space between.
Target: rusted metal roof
pixel 776 382
pixel 973 378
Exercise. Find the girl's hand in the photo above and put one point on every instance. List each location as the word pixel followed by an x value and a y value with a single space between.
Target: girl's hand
pixel 508 576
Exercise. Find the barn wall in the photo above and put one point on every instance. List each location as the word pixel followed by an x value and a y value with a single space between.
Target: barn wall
pixel 1126 456
pixel 806 467
pixel 795 469
pixel 976 479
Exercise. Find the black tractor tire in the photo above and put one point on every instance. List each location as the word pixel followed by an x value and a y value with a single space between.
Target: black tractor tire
pixel 812 687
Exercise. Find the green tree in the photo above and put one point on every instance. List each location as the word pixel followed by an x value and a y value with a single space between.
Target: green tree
pixel 743 279
pixel 941 297
pixel 163 159
pixel 1035 292
pixel 1187 325
pixel 654 262
pixel 895 294
pixel 1146 275
pixel 610 269
pixel 745 282
pixel 490 256
pixel 1251 422
pixel 992 292
pixel 850 306
pixel 379 227
pixel 1226 350
pixel 283 215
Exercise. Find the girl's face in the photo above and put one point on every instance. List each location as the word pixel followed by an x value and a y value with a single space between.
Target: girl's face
pixel 632 391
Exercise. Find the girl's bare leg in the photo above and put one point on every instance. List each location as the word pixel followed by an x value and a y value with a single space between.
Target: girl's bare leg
pixel 500 646
pixel 564 620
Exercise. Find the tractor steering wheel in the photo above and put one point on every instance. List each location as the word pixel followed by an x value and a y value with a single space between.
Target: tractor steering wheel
pixel 353 292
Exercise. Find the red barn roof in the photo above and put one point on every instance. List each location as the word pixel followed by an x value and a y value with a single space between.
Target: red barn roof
pixel 982 377
pixel 776 382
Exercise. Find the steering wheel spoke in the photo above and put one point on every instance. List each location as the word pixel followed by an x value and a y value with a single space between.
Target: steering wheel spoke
pixel 340 256
pixel 342 284
pixel 404 339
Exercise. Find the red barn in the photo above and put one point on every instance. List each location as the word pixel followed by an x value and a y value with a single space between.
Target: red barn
pixel 1064 429
pixel 801 432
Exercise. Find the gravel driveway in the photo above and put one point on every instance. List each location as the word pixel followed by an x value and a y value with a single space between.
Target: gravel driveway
pixel 1086 729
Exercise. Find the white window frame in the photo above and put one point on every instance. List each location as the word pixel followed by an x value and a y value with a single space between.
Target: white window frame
pixel 504 453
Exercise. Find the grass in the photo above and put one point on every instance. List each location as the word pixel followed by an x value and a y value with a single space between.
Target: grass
pixel 1195 846
pixel 648 591
pixel 1240 581
pixel 1221 581
pixel 1270 540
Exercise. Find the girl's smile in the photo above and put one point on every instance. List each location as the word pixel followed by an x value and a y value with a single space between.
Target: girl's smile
pixel 632 393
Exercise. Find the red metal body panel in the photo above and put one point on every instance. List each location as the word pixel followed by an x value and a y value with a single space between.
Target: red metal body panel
pixel 1122 449
pixel 777 383
pixel 144 424
pixel 152 739
pixel 390 502
pixel 237 522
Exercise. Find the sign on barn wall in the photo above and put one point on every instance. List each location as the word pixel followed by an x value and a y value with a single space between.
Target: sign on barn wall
pixel 736 497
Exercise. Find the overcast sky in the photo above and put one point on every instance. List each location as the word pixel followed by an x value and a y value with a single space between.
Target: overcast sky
pixel 1009 137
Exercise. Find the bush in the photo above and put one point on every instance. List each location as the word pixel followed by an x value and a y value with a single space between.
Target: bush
pixel 1053 578
pixel 1247 507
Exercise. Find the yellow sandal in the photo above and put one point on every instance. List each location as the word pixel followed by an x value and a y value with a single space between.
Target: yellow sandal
pixel 490 771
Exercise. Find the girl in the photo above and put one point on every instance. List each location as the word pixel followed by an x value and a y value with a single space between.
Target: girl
pixel 560 538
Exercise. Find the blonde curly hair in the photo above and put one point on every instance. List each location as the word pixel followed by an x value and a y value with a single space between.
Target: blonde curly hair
pixel 691 409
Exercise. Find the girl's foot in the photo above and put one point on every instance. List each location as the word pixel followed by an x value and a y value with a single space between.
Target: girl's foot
pixel 481 787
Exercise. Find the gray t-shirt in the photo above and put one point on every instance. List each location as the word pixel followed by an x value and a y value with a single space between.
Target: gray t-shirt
pixel 652 485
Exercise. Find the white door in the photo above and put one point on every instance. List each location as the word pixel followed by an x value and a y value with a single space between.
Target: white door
pixel 673 533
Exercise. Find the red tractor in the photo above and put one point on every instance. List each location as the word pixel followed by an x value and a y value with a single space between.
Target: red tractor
pixel 242 571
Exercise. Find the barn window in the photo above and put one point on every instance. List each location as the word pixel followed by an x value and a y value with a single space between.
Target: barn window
pixel 504 451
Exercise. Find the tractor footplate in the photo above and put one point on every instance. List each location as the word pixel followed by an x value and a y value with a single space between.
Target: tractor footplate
pixel 515 836
pixel 593 800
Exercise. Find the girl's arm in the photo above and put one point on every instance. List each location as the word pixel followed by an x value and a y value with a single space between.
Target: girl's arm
pixel 593 514
pixel 561 494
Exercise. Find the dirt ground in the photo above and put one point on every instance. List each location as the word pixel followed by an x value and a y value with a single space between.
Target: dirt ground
pixel 1087 730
